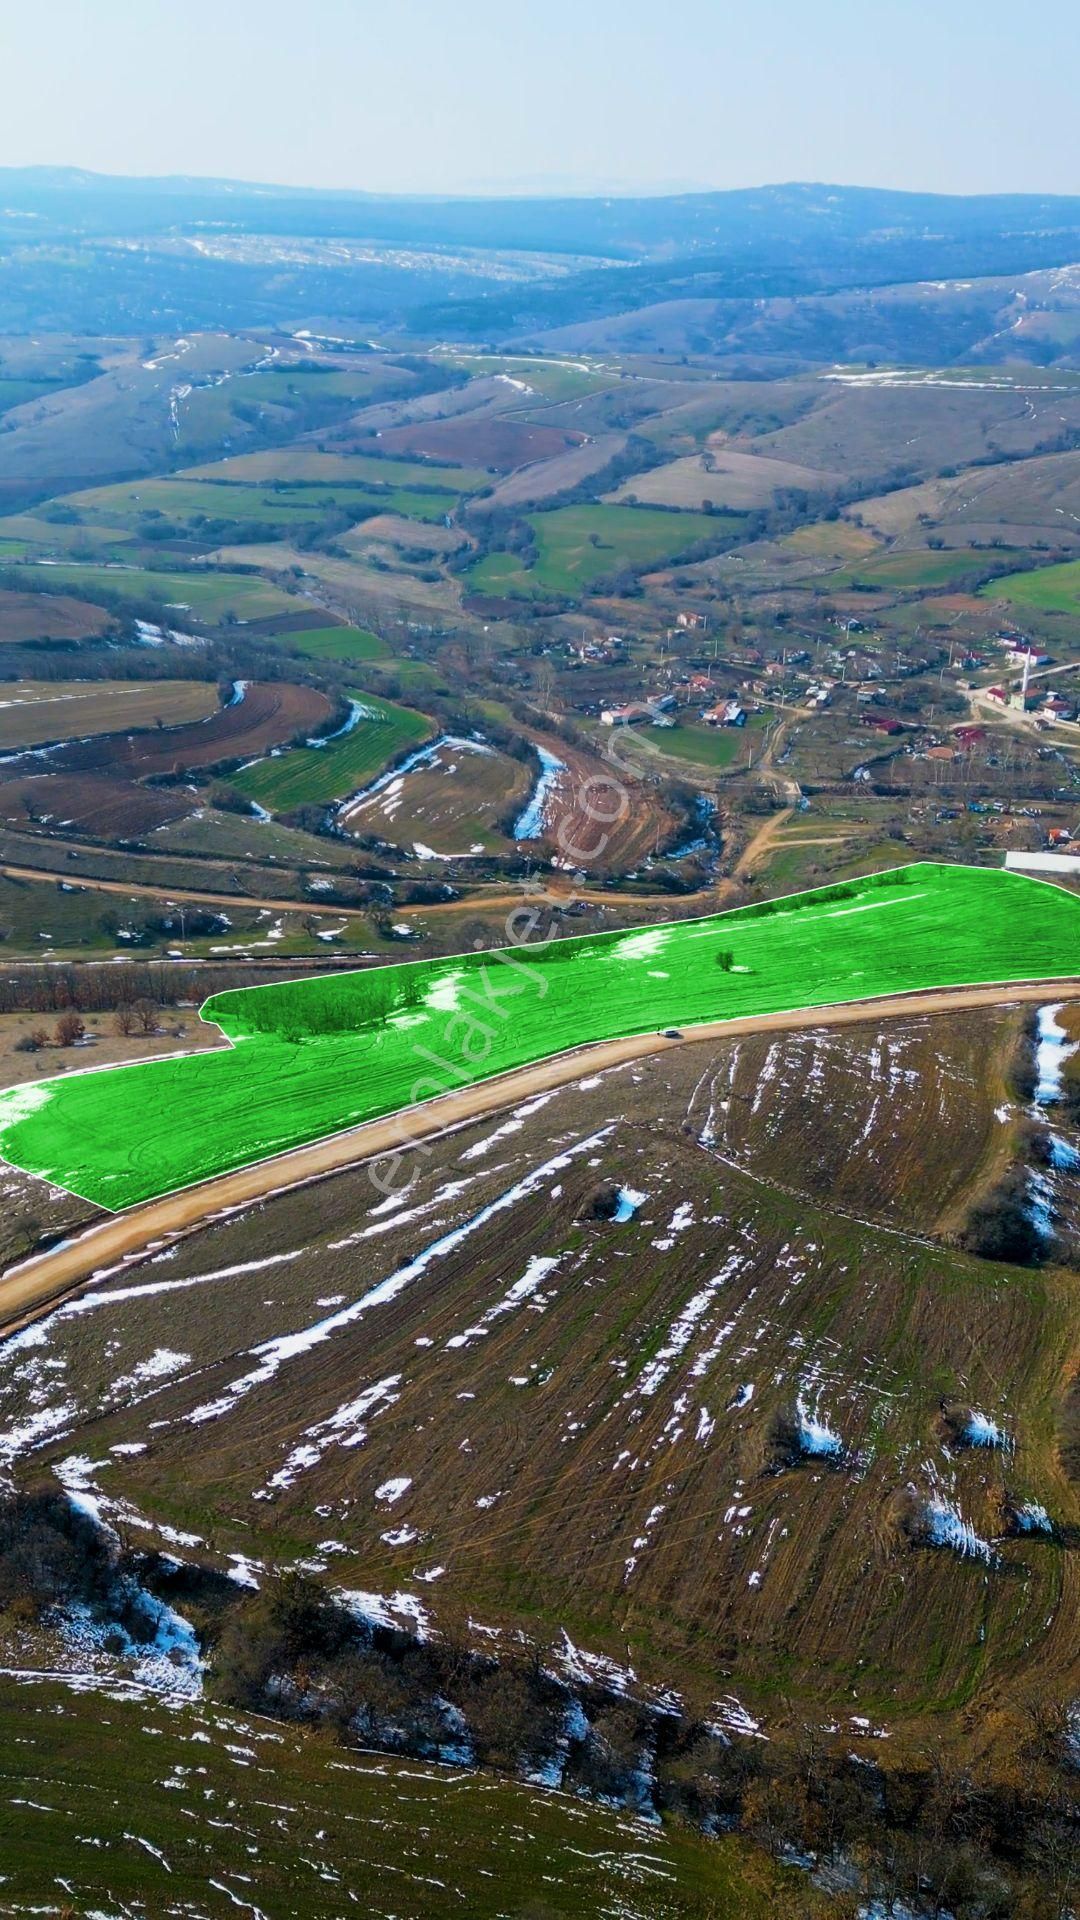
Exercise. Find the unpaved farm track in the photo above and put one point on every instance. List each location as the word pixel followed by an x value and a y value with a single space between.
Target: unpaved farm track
pixel 42 1282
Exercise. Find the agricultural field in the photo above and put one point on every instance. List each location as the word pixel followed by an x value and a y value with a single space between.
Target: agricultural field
pixel 579 546
pixel 455 800
pixel 489 1393
pixel 297 467
pixel 208 597
pixel 332 643
pixel 48 616
pixel 313 776
pixel 318 1057
pixel 910 572
pixel 725 476
pixel 35 713
pixel 493 441
pixel 1053 590
pixel 263 715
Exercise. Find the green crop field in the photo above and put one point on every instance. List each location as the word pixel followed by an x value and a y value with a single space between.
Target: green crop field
pixel 310 1058
pixel 577 546
pixel 333 643
pixel 924 569
pixel 1047 590
pixel 209 596
pixel 716 747
pixel 302 776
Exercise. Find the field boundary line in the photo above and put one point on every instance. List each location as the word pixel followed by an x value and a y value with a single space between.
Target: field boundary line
pixel 46 1280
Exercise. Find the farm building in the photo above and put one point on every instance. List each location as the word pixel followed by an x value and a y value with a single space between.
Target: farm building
pixel 882 722
pixel 726 713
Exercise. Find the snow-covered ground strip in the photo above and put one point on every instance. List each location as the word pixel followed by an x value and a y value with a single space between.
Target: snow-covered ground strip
pixel 683 1328
pixel 525 1289
pixel 347 1426
pixel 1053 1049
pixel 816 1437
pixel 530 823
pixel 272 1355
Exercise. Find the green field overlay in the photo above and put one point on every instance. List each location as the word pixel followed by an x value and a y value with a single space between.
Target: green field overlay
pixel 313 1057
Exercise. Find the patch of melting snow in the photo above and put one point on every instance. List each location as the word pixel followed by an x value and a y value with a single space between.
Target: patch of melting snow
pixel 513 1125
pixel 161 1363
pixel 946 1527
pixel 391 1490
pixel 1032 1518
pixel 168 1661
pixel 345 1427
pixel 816 1437
pixel 529 824
pixel 272 1355
pixel 981 1431
pixel 627 1202
pixel 1052 1050
pixel 680 1333
pixel 400 1610
pixel 537 1270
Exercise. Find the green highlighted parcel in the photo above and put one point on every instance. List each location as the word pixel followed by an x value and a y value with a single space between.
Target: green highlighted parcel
pixel 312 1057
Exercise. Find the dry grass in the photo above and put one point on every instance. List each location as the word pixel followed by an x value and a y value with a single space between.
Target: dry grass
pixel 33 713
pixel 48 616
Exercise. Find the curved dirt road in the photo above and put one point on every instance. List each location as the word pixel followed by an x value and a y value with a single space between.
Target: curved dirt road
pixel 41 1282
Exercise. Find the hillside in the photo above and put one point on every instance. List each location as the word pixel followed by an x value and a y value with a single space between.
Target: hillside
pixel 696 1437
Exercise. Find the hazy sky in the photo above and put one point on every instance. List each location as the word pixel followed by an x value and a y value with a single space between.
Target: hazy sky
pixel 426 95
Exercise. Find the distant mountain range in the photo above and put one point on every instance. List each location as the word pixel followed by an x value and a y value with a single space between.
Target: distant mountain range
pixel 433 265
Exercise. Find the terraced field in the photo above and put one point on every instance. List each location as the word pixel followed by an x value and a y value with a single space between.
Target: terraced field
pixel 315 1057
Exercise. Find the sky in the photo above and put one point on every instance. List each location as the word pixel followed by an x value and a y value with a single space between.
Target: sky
pixel 423 96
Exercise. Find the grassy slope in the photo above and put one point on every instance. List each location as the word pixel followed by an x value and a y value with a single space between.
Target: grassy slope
pixel 792 1188
pixel 321 1056
pixel 316 775
pixel 209 596
pixel 1049 589
pixel 165 1802
pixel 569 561
pixel 333 643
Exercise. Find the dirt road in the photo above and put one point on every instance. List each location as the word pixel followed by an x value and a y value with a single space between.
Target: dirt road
pixel 555 891
pixel 37 1284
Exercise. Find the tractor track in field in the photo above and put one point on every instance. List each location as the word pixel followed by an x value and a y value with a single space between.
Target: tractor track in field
pixel 45 1280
